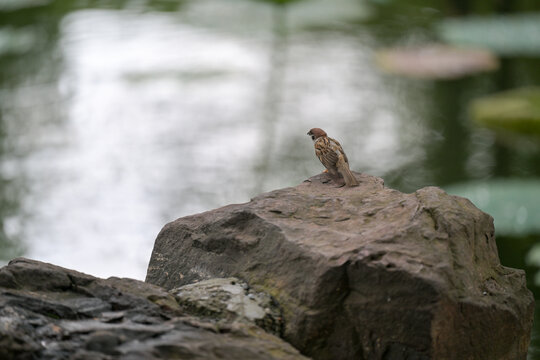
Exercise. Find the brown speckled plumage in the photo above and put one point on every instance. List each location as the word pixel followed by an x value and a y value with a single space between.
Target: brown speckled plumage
pixel 331 154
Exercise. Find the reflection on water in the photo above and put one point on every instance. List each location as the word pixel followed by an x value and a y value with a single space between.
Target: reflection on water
pixel 114 121
pixel 152 116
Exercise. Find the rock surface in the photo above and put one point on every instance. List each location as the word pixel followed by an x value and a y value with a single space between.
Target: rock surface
pixel 362 273
pixel 229 301
pixel 48 312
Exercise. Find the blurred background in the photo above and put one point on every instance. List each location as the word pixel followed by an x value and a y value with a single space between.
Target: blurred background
pixel 119 116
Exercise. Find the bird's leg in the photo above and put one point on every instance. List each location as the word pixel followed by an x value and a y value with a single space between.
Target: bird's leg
pixel 336 178
pixel 328 176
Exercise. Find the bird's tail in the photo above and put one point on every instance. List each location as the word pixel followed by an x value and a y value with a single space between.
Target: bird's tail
pixel 348 176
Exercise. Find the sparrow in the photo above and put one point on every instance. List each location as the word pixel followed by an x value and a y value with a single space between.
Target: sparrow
pixel 332 156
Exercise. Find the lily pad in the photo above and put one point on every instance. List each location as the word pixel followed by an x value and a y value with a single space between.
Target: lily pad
pixel 513 203
pixel 517 34
pixel 515 110
pixel 436 61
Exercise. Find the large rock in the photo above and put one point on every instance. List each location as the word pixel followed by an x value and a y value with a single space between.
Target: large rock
pixel 362 273
pixel 48 312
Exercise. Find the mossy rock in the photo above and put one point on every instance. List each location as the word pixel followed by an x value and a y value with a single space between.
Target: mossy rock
pixel 229 300
pixel 514 110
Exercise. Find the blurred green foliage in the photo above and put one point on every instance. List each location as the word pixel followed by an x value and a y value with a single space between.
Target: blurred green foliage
pixel 515 110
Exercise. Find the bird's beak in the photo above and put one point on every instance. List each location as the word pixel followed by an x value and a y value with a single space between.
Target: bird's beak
pixel 308 133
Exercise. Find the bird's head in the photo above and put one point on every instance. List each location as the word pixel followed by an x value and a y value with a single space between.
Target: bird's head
pixel 316 133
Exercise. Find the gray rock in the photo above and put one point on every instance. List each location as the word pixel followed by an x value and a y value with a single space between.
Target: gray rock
pixel 69 315
pixel 103 342
pixel 230 300
pixel 362 273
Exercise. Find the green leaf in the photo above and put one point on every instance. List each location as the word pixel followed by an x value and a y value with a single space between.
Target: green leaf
pixel 516 110
pixel 517 34
pixel 513 203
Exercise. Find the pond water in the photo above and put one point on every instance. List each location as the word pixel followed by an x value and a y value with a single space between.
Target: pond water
pixel 119 116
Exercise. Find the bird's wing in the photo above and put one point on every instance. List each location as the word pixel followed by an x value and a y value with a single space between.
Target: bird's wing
pixel 326 153
pixel 336 146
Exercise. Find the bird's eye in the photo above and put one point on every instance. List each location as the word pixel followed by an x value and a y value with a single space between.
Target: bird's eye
pixel 312 137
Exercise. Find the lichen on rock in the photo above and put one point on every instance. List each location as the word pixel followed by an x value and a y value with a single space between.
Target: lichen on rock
pixel 230 300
